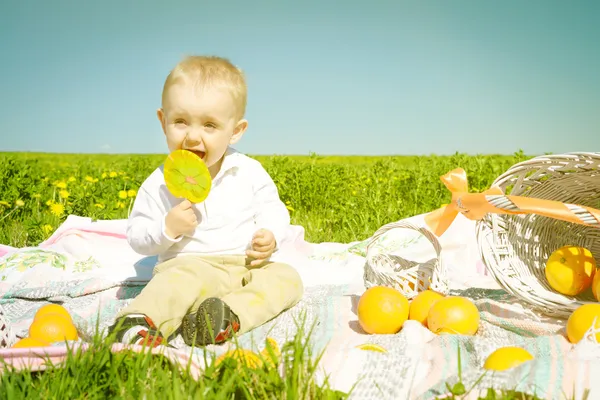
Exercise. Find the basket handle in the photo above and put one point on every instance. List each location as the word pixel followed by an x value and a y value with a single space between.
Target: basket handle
pixel 476 205
pixel 409 225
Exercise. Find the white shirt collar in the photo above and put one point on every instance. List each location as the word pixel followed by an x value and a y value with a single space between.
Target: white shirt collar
pixel 231 160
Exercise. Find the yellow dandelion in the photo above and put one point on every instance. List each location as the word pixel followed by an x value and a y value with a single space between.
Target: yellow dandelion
pixel 99 205
pixel 50 202
pixel 122 194
pixel 112 174
pixel 71 179
pixel 120 204
pixel 57 209
pixel 63 194
pixel 131 193
pixel 60 184
pixel 47 229
pixel 19 203
pixel 90 179
pixel 104 175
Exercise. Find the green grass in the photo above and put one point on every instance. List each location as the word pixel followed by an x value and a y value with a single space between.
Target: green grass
pixel 332 198
pixel 99 373
pixel 339 199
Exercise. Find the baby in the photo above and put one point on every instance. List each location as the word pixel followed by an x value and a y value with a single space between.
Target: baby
pixel 215 276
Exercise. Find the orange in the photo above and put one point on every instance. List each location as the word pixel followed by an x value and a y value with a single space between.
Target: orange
pixel 53 328
pixel 52 309
pixel 421 304
pixel 453 314
pixel 382 310
pixel 30 342
pixel 570 270
pixel 596 285
pixel 580 321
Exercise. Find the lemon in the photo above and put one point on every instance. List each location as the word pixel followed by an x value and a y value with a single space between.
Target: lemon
pixel 421 304
pixel 251 359
pixel 570 270
pixel 371 347
pixel 580 321
pixel 506 357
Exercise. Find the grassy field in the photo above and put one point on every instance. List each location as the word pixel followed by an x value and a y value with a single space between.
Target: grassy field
pixel 339 199
pixel 334 198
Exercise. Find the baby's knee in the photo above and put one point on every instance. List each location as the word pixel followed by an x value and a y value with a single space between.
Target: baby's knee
pixel 290 278
pixel 286 270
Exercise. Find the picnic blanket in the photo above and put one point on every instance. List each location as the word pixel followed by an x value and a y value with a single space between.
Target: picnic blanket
pixel 88 267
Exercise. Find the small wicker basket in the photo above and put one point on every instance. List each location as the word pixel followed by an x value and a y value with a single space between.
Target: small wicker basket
pixel 408 277
pixel 7 337
pixel 515 247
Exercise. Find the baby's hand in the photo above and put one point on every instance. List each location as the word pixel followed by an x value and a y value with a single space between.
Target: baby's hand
pixel 181 220
pixel 263 245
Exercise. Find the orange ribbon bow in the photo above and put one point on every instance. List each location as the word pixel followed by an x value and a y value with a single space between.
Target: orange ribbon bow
pixel 476 205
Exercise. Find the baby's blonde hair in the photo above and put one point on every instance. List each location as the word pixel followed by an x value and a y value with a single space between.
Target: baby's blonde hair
pixel 207 71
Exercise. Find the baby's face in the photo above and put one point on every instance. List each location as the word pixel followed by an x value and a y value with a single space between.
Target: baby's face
pixel 201 120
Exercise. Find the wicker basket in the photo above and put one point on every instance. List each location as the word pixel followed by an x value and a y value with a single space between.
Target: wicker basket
pixel 516 247
pixel 7 337
pixel 409 277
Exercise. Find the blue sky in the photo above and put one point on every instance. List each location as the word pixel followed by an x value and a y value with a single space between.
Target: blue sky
pixel 331 77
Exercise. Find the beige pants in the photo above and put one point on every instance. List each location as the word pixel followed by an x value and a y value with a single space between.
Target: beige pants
pixel 180 284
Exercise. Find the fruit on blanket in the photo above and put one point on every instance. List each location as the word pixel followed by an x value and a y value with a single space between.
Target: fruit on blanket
pixel 454 315
pixel 270 355
pixel 371 347
pixel 570 270
pixel 421 304
pixel 53 328
pixel 382 310
pixel 52 309
pixel 506 357
pixel 244 357
pixel 30 342
pixel 581 320
pixel 186 176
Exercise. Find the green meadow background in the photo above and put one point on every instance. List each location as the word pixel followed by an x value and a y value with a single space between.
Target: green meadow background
pixel 335 198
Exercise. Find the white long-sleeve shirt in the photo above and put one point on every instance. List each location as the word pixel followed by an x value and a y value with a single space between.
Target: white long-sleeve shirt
pixel 243 198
